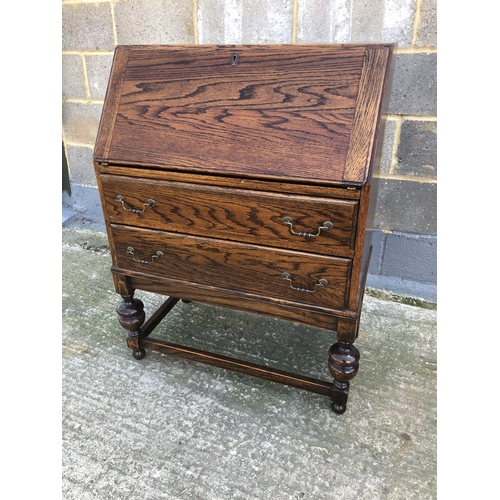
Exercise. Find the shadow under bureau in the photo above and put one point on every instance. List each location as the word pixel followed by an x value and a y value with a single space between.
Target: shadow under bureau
pixel 240 176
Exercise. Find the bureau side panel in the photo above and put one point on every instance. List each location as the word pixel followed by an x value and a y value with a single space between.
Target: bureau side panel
pixel 361 250
pixel 111 104
pixel 367 116
pixel 383 65
pixel 102 195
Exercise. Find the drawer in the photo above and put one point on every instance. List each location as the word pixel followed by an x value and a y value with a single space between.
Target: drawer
pixel 283 274
pixel 317 225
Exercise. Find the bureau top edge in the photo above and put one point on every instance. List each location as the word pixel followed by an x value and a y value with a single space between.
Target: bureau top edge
pixel 258 46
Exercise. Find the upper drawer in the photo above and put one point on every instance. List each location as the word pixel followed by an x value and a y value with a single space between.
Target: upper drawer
pixel 319 225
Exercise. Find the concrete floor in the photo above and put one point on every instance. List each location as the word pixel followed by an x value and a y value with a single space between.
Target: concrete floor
pixel 168 428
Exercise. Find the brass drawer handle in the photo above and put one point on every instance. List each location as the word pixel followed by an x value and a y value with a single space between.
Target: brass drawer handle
pixel 149 203
pixel 321 282
pixel 327 225
pixel 156 255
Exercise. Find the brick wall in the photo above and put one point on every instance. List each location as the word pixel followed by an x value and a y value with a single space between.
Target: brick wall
pixel 404 258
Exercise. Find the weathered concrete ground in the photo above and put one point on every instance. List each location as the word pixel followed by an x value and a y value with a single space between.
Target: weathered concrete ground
pixel 168 428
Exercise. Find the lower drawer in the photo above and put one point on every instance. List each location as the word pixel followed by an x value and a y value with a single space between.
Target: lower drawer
pixel 283 274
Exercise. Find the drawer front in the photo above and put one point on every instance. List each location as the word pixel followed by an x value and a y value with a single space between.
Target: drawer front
pixel 283 274
pixel 318 225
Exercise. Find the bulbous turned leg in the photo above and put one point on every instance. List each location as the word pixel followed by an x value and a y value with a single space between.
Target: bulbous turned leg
pixel 131 316
pixel 343 364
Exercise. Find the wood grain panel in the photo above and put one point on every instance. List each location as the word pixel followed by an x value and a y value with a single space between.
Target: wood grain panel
pixel 233 265
pixel 237 214
pixel 188 61
pixel 280 112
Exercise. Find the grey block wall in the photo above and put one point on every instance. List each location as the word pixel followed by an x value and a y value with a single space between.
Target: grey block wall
pixel 405 234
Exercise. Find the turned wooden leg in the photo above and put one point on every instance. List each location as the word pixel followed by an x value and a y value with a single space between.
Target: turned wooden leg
pixel 131 316
pixel 343 364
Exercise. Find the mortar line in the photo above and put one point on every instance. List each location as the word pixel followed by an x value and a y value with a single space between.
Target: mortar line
pixel 87 52
pixel 421 180
pixel 69 2
pixel 78 144
pixel 85 77
pixel 115 35
pixel 395 145
pixel 294 20
pixel 422 118
pixel 416 22
pixel 195 21
pixel 427 49
pixel 76 100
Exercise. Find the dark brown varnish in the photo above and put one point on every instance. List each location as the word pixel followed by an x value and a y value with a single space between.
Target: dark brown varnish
pixel 244 182
pixel 237 214
pixel 232 265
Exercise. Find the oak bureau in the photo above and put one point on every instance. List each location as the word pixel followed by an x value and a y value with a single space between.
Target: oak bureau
pixel 240 176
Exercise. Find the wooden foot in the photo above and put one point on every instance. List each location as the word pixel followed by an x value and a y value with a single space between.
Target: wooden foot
pixel 139 354
pixel 131 316
pixel 343 364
